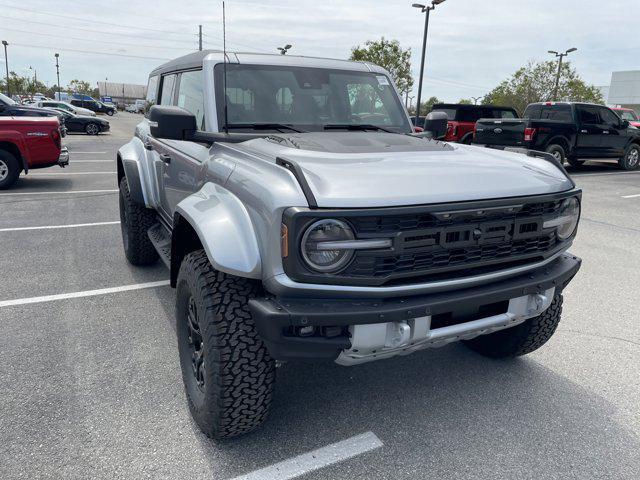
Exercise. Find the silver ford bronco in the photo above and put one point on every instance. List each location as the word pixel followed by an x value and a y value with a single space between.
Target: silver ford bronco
pixel 302 218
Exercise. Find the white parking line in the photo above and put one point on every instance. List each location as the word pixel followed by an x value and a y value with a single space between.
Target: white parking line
pixel 631 196
pixel 90 161
pixel 59 193
pixel 86 293
pixel 316 459
pixel 72 152
pixel 69 173
pixel 52 227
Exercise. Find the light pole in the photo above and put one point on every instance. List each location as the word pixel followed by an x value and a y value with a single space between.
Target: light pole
pixel 559 56
pixel 283 50
pixel 475 100
pixel 58 75
pixel 6 64
pixel 424 9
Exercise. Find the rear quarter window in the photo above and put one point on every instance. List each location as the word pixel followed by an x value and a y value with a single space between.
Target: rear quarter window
pixel 532 111
pixel 561 113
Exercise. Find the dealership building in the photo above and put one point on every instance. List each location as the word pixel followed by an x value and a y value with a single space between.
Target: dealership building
pixel 624 90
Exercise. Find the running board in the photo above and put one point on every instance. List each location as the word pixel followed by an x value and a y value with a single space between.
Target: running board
pixel 161 239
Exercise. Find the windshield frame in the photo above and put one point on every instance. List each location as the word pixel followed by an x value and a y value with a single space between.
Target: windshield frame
pixel 7 100
pixel 403 128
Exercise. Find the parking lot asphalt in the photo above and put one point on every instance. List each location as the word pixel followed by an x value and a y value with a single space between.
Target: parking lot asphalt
pixel 90 387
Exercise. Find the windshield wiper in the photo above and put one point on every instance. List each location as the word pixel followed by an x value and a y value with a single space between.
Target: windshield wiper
pixel 265 126
pixel 356 127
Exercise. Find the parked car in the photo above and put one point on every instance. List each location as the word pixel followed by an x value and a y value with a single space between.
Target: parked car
pixel 462 118
pixel 28 143
pixel 84 124
pixel 137 107
pixel 316 225
pixel 10 108
pixel 66 106
pixel 93 105
pixel 569 131
pixel 628 114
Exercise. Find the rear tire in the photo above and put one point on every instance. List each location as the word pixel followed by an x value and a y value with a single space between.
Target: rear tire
pixel 135 221
pixel 631 158
pixel 557 151
pixel 521 339
pixel 9 169
pixel 227 371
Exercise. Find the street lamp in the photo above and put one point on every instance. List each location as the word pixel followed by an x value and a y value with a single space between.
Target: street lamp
pixel 283 50
pixel 559 56
pixel 58 75
pixel 6 64
pixel 424 9
pixel 475 100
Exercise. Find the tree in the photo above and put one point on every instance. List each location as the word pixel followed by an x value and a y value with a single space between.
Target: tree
pixel 535 83
pixel 20 85
pixel 425 107
pixel 465 101
pixel 80 86
pixel 388 54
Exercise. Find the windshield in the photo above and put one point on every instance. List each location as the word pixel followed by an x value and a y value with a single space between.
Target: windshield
pixel 6 100
pixel 628 115
pixel 307 99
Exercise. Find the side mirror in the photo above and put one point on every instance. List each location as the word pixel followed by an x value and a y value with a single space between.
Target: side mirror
pixel 171 123
pixel 624 124
pixel 436 123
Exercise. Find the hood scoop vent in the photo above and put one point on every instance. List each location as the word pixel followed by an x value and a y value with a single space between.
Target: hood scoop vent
pixel 359 142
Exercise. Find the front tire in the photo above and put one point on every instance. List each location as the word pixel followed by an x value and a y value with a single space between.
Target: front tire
pixel 631 158
pixel 557 151
pixel 521 339
pixel 135 221
pixel 92 129
pixel 9 169
pixel 227 371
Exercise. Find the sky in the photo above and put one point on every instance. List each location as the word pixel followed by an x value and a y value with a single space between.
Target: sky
pixel 472 44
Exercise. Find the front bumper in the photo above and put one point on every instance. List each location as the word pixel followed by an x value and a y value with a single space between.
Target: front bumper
pixel 278 319
pixel 63 159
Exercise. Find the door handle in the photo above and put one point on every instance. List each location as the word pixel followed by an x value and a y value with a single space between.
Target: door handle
pixel 583 131
pixel 606 132
pixel 165 158
pixel 148 146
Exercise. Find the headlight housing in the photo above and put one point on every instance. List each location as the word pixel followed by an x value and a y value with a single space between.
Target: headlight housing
pixel 567 219
pixel 316 245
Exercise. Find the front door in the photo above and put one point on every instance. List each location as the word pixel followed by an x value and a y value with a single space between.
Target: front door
pixel 615 137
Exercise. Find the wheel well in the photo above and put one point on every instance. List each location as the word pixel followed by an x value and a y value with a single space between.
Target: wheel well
pixel 184 240
pixel 559 141
pixel 120 169
pixel 12 148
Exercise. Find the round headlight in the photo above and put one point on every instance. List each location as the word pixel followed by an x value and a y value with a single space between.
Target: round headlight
pixel 316 245
pixel 569 214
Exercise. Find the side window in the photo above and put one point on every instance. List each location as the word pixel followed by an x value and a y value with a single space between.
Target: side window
pixel 190 96
pixel 166 93
pixel 609 118
pixel 472 115
pixel 588 115
pixel 561 113
pixel 152 91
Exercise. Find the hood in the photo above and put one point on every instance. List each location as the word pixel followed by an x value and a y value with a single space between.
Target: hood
pixel 375 169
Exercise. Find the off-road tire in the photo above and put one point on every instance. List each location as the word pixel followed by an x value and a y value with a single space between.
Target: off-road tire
pixel 239 374
pixel 557 151
pixel 574 162
pixel 135 221
pixel 521 339
pixel 10 169
pixel 631 158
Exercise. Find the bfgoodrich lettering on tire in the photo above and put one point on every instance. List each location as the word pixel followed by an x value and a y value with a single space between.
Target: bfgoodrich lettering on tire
pixel 521 339
pixel 227 371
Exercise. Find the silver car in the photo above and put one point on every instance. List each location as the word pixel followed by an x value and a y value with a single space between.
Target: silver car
pixel 302 219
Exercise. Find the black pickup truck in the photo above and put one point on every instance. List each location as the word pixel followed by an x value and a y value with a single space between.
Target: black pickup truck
pixel 569 131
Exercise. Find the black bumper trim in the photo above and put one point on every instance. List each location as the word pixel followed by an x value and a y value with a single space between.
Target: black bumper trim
pixel 273 315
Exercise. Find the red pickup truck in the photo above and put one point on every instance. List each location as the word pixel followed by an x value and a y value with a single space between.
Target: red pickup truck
pixel 28 143
pixel 463 118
